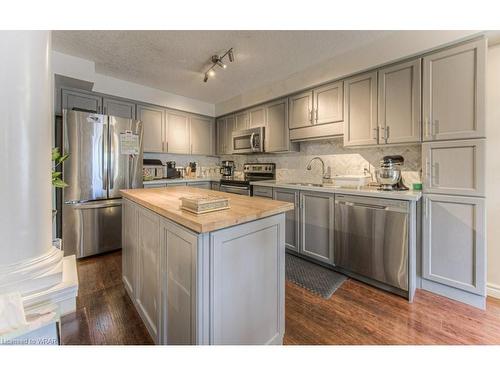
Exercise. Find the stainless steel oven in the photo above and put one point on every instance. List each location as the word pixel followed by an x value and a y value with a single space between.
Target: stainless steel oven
pixel 248 141
pixel 236 189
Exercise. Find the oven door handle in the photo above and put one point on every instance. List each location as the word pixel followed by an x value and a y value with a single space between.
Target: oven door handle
pixel 234 187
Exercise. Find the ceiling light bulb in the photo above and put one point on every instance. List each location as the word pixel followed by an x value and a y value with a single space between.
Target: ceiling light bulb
pixel 211 72
pixel 221 64
pixel 230 55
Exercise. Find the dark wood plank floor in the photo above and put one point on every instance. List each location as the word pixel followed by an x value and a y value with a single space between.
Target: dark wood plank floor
pixel 356 314
pixel 105 314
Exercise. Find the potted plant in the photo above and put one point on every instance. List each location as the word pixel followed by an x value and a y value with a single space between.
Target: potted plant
pixel 57 182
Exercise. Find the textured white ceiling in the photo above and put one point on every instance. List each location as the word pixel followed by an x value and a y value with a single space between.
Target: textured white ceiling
pixel 174 61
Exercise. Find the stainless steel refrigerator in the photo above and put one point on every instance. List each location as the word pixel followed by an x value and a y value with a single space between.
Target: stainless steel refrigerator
pixel 105 156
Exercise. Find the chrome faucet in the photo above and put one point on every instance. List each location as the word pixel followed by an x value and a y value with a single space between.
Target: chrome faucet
pixel 326 175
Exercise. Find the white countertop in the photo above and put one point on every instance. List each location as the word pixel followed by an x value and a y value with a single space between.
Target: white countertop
pixel 409 195
pixel 177 180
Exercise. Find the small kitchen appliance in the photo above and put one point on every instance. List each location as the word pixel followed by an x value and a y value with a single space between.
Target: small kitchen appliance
pixel 248 141
pixel 227 169
pixel 389 173
pixel 152 169
pixel 251 172
pixel 171 171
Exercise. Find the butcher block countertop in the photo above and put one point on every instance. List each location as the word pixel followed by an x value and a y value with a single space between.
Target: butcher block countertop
pixel 165 202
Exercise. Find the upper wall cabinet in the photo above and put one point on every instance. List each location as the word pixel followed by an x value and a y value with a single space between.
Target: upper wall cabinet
pixel 399 97
pixel 119 108
pixel 201 135
pixel 81 101
pixel 328 102
pixel 257 117
pixel 178 133
pixel 277 137
pixel 241 121
pixel 454 92
pixel 317 113
pixel 225 127
pixel 360 103
pixel 301 110
pixel 153 120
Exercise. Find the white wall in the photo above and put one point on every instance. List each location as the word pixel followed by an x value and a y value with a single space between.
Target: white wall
pixel 75 67
pixel 393 47
pixel 493 169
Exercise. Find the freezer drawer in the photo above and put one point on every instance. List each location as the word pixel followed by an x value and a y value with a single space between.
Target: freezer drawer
pixel 92 228
pixel 371 238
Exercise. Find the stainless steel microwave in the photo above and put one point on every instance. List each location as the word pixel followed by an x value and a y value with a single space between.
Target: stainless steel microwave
pixel 248 141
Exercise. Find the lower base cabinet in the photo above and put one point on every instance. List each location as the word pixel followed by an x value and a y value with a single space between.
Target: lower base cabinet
pixel 147 298
pixel 454 253
pixel 218 288
pixel 316 225
pixel 309 227
pixel 292 218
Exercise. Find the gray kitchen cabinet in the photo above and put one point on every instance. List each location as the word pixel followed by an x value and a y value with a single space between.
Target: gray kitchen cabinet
pixel 230 127
pixel 262 191
pixel 241 121
pixel 173 184
pixel 177 139
pixel 399 97
pixel 147 296
pixel 81 101
pixel 155 185
pixel 215 186
pixel 200 185
pixel 454 252
pixel 153 120
pixel 277 134
pixel 257 117
pixel 328 101
pixel 360 110
pixel 454 167
pixel 118 107
pixel 454 92
pixel 202 137
pixel 301 107
pixel 292 218
pixel 178 257
pixel 316 225
pixel 129 246
pixel 221 135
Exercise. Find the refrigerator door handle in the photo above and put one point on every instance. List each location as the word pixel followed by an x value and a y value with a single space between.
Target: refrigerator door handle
pixel 105 151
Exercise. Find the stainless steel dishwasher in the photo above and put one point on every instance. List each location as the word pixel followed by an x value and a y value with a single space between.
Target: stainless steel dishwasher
pixel 371 238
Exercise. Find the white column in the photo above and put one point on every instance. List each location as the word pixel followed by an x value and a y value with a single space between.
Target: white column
pixel 26 123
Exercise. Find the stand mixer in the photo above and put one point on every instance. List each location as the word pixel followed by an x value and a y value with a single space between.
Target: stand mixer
pixel 389 173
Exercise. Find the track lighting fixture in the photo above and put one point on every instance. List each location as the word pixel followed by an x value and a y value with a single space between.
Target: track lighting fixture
pixel 218 61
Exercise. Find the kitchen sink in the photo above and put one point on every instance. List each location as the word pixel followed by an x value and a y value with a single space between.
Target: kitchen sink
pixel 305 184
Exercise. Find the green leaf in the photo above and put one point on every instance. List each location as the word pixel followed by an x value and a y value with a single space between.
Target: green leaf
pixel 58 183
pixel 55 153
pixel 63 158
pixel 56 174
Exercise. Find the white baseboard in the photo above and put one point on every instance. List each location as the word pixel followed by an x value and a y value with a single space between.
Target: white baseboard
pixel 493 290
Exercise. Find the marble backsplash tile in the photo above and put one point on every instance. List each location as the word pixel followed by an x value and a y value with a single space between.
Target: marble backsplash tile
pixel 292 166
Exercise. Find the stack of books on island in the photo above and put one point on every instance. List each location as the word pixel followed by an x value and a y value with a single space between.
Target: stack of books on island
pixel 200 204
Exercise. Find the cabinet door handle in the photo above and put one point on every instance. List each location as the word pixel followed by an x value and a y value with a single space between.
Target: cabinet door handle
pixel 426 127
pixel 386 133
pixel 310 116
pixel 375 132
pixel 104 110
pixel 435 127
pixel 316 114
pixel 435 173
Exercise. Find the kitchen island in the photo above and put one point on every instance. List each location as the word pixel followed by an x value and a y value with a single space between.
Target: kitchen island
pixel 214 278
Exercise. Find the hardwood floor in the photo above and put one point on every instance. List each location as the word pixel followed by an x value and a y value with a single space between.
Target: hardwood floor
pixel 356 314
pixel 105 314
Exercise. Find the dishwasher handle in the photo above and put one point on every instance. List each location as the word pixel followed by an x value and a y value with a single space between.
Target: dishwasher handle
pixel 383 207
